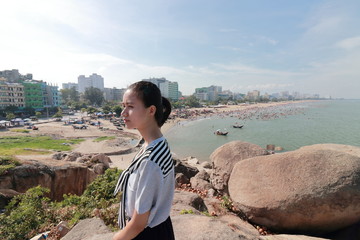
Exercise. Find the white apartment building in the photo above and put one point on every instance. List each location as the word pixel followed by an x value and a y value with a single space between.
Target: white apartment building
pixel 94 80
pixel 168 89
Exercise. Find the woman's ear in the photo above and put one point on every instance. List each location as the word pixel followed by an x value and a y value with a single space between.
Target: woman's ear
pixel 152 110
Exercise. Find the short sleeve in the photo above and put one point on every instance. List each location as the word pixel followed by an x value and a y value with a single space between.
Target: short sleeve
pixel 148 186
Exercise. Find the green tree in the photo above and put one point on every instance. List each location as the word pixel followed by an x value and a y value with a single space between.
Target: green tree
pixel 10 116
pixel 106 109
pixel 94 95
pixel 91 110
pixel 117 109
pixel 192 101
pixel 69 95
pixel 58 114
pixel 38 115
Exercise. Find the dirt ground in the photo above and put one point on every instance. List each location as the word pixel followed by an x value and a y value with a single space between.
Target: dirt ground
pixel 124 139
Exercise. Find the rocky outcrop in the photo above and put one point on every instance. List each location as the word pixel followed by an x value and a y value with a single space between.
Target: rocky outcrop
pixel 315 189
pixel 225 157
pixel 185 169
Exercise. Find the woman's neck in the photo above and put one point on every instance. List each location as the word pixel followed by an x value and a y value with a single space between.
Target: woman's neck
pixel 150 134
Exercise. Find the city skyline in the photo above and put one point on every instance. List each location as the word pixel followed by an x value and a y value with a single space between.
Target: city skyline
pixel 309 46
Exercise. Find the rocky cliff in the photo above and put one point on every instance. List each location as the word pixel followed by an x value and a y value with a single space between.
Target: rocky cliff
pixel 71 177
pixel 59 179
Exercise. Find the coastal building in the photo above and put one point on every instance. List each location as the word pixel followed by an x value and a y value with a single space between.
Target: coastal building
pixel 33 91
pixel 11 94
pixel 40 95
pixel 225 94
pixel 53 96
pixel 208 93
pixel 70 85
pixel 253 96
pixel 94 80
pixel 167 88
pixel 173 91
pixel 114 94
pixel 202 93
pixel 13 76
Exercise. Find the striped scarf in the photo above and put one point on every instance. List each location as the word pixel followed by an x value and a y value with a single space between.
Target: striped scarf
pixel 160 154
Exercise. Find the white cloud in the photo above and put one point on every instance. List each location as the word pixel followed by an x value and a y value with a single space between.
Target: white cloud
pixel 349 43
pixel 244 69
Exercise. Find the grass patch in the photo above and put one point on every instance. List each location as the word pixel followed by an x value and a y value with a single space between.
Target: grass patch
pixel 20 130
pixel 187 211
pixel 99 139
pixel 6 163
pixel 17 145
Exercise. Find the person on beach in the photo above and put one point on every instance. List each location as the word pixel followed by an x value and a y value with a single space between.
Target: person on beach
pixel 148 184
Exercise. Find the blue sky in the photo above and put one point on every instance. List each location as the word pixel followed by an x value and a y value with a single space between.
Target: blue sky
pixel 271 46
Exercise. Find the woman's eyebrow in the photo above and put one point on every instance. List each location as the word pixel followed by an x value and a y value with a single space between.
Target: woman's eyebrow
pixel 127 103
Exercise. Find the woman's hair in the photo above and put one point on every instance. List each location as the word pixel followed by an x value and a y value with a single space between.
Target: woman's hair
pixel 150 94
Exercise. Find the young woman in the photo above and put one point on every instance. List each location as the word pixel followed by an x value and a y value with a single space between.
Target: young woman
pixel 148 184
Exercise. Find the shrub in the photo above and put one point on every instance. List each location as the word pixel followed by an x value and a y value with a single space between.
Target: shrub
pixel 24 213
pixel 32 212
pixel 6 163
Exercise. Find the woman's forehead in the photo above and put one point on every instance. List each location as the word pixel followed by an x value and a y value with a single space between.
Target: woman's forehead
pixel 130 96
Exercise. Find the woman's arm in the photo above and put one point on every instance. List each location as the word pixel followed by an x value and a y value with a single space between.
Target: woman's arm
pixel 135 226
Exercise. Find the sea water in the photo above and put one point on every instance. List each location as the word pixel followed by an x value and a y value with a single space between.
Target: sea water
pixel 294 126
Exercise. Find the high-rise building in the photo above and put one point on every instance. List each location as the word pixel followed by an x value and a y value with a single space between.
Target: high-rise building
pixel 70 85
pixel 167 88
pixel 173 91
pixel 93 80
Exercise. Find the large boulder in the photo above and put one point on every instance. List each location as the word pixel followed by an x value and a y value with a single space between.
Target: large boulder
pixel 201 181
pixel 184 168
pixel 225 157
pixel 187 201
pixel 315 189
pixel 196 227
pixel 87 229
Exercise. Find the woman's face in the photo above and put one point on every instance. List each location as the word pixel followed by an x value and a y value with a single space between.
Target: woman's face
pixel 134 113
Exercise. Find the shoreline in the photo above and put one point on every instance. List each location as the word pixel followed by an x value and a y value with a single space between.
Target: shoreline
pixel 125 136
pixel 207 112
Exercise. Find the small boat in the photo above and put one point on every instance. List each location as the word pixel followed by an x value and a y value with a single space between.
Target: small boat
pixel 237 126
pixel 218 132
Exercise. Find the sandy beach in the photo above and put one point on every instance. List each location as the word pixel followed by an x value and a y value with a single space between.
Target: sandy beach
pixel 124 139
